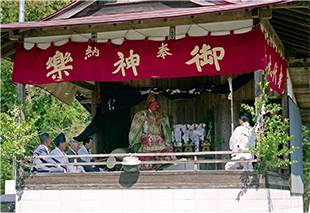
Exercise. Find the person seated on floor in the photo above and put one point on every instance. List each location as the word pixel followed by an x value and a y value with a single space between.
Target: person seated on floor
pixel 85 150
pixel 60 143
pixel 151 132
pixel 43 150
pixel 240 141
pixel 74 147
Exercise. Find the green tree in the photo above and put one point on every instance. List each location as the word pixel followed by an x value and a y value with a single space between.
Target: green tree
pixel 306 156
pixel 17 138
pixel 272 140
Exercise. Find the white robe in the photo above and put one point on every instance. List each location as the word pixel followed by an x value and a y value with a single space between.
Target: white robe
pixel 84 151
pixel 63 159
pixel 75 169
pixel 42 150
pixel 241 140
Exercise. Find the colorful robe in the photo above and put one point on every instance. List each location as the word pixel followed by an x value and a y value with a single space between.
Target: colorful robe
pixel 150 132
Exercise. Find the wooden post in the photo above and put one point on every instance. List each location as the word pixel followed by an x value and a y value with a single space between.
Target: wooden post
pixel 21 87
pixel 94 103
pixel 284 100
pixel 258 77
pixel 172 33
pixel 231 98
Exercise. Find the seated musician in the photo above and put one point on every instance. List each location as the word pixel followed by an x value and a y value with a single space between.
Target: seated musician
pixel 74 146
pixel 59 151
pixel 150 132
pixel 43 150
pixel 85 150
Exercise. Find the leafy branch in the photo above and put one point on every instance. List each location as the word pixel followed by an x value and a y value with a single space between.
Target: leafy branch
pixel 272 137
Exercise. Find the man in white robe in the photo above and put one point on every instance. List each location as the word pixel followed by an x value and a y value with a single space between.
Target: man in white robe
pixel 59 152
pixel 84 150
pixel 42 150
pixel 73 149
pixel 240 141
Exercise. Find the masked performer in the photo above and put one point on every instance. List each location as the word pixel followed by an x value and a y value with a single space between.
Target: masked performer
pixel 150 132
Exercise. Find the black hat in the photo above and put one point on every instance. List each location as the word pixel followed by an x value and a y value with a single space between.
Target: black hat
pixel 43 137
pixel 61 138
pixel 244 116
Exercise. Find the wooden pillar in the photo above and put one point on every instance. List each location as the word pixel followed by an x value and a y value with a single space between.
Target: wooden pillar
pixel 258 78
pixel 94 103
pixel 172 33
pixel 284 99
pixel 21 18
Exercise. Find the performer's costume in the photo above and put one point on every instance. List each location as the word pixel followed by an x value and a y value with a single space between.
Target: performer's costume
pixel 150 132
pixel 241 140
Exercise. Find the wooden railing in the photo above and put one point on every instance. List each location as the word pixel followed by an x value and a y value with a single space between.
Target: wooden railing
pixel 197 176
pixel 195 158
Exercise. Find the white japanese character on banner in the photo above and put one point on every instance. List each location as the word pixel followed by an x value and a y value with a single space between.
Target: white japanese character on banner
pixel 59 63
pixel 91 51
pixel 163 51
pixel 206 55
pixel 125 63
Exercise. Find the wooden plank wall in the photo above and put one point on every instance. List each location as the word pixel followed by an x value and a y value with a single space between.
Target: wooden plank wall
pixel 207 107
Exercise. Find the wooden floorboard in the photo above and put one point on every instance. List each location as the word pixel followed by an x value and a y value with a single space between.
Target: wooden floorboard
pixel 152 180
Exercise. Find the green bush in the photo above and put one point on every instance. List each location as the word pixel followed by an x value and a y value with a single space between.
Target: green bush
pixel 306 155
pixel 272 133
pixel 17 138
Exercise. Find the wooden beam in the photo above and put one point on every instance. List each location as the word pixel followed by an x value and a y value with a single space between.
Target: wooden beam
pixel 4 34
pixel 85 101
pixel 303 99
pixel 84 85
pixel 289 26
pixel 305 112
pixel 299 11
pixel 297 39
pixel 292 15
pixel 290 32
pixel 291 5
pixel 86 106
pixel 293 43
pixel 297 50
pixel 304 90
pixel 292 21
pixel 8 54
pixel 305 45
pixel 300 70
pixel 6 44
pixel 300 76
pixel 302 62
pixel 273 34
pixel 147 180
pixel 142 24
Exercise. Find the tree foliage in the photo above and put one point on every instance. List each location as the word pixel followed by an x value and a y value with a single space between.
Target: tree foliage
pixel 272 136
pixel 306 156
pixel 43 112
pixel 17 138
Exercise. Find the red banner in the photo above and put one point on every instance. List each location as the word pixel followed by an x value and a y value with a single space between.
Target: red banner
pixel 190 56
pixel 276 70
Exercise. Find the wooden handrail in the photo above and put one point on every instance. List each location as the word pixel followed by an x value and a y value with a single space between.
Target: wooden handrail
pixel 145 154
pixel 194 158
pixel 147 162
